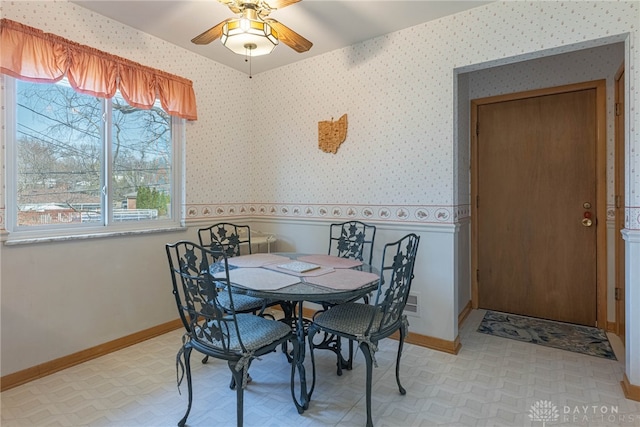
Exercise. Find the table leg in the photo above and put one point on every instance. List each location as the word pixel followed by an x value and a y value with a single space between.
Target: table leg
pixel 303 402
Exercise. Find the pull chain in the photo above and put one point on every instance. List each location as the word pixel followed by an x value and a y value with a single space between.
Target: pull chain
pixel 247 56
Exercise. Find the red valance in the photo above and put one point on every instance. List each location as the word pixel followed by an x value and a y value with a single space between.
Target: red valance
pixel 30 54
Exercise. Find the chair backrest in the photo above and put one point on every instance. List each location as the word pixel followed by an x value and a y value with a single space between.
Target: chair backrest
pixel 396 275
pixel 352 239
pixel 198 276
pixel 225 236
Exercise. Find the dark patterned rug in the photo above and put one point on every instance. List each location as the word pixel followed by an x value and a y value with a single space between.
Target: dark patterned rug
pixel 564 336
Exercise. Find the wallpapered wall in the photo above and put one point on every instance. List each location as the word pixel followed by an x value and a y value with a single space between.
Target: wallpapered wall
pixel 214 141
pixel 399 160
pixel 573 67
pixel 402 161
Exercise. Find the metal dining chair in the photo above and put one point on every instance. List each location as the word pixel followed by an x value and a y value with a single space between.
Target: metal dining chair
pixel 351 239
pixel 368 324
pixel 216 330
pixel 230 239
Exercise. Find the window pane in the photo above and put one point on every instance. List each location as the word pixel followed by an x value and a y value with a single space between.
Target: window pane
pixel 58 149
pixel 141 156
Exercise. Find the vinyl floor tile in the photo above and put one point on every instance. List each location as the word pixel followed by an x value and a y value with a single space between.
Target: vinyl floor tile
pixel 491 382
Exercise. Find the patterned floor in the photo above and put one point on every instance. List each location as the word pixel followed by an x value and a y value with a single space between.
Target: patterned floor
pixel 491 382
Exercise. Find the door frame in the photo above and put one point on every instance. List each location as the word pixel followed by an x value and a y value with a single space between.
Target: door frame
pixel 619 204
pixel 601 184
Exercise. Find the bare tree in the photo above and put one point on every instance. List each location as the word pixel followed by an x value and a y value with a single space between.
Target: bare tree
pixel 61 149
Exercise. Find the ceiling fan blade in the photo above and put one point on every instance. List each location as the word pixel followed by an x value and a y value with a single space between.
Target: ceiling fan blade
pixel 210 35
pixel 289 37
pixel 279 4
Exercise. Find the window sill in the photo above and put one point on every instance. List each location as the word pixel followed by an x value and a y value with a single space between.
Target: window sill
pixel 11 239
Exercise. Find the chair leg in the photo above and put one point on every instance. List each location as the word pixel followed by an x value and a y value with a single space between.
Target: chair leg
pixel 187 366
pixel 350 361
pixel 237 378
pixel 403 333
pixel 366 351
pixel 205 359
pixel 232 384
pixel 338 350
pixel 287 311
pixel 288 318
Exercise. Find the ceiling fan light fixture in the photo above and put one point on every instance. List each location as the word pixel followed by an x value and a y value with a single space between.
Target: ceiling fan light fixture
pixel 238 33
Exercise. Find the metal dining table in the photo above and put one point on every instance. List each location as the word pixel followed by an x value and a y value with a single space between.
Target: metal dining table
pixel 284 277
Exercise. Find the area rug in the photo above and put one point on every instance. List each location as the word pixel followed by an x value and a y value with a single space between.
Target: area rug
pixel 564 336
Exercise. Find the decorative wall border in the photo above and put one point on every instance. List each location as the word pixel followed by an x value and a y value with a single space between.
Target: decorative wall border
pixel 632 216
pixel 426 214
pixel 611 212
pixel 632 221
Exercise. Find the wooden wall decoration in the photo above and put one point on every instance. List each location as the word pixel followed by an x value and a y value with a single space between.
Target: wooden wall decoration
pixel 331 134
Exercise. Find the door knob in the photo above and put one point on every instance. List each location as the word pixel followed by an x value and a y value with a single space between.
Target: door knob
pixel 587 222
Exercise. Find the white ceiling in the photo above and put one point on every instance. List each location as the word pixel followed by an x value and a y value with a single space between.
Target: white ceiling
pixel 329 25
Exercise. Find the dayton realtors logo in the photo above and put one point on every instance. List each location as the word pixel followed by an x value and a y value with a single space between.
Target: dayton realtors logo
pixel 598 414
pixel 545 411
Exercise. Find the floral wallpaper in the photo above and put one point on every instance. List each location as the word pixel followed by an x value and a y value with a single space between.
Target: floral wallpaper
pixel 579 66
pixel 404 157
pixel 215 140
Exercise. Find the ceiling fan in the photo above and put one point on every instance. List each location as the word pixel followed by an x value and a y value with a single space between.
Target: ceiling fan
pixel 253 33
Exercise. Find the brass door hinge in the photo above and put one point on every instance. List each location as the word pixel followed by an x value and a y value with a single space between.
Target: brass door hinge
pixel 617 294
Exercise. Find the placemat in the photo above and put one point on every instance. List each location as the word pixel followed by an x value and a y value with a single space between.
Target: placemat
pixel 344 279
pixel 331 261
pixel 261 279
pixel 256 260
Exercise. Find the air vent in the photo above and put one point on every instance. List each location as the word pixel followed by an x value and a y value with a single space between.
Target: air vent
pixel 411 309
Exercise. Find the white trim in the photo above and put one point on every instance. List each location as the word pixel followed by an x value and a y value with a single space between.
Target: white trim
pixel 631 236
pixel 10 160
pixel 178 170
pixel 51 233
pixel 107 163
pixel 381 225
pixel 111 233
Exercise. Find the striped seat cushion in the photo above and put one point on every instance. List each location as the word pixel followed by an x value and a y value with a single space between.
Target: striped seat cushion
pixel 350 318
pixel 256 332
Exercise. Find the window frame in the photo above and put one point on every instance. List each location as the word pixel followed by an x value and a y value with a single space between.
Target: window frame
pixel 107 227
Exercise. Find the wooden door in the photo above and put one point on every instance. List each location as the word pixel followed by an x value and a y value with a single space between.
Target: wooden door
pixel 537 205
pixel 619 205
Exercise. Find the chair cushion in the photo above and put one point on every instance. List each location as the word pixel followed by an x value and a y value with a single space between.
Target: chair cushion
pixel 256 332
pixel 349 318
pixel 241 302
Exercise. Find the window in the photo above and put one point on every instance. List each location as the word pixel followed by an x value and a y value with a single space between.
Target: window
pixel 77 162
